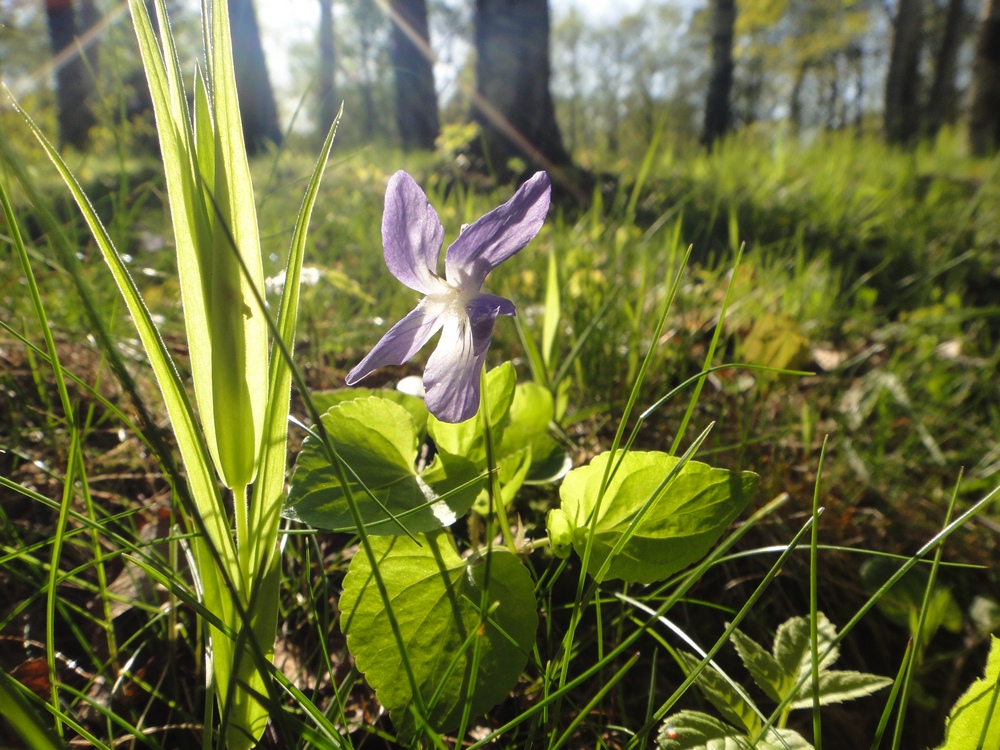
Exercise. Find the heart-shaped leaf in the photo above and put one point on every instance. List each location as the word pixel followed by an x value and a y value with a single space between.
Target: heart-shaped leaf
pixel 323 400
pixel 684 519
pixel 436 597
pixel 377 440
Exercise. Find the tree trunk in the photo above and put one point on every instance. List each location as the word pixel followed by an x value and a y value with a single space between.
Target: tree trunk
pixel 327 69
pixel 513 103
pixel 718 108
pixel 795 100
pixel 74 82
pixel 944 95
pixel 984 110
pixel 412 64
pixel 257 107
pixel 902 85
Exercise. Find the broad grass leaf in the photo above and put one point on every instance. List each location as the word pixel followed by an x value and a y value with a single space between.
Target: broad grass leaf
pixel 732 702
pixel 684 520
pixel 377 439
pixel 553 310
pixel 435 596
pixel 978 705
pixel 693 730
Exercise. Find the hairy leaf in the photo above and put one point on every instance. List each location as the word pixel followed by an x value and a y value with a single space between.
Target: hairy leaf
pixel 693 730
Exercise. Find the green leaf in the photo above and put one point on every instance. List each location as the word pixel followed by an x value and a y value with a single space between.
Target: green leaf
pixel 467 438
pixel 693 730
pixel 778 675
pixel 984 612
pixel 974 721
pixel 729 700
pixel 839 686
pixel 901 604
pixel 435 596
pixel 531 413
pixel 793 650
pixel 323 400
pixel 377 439
pixel 239 370
pixel 763 667
pixel 686 517
pixel 511 471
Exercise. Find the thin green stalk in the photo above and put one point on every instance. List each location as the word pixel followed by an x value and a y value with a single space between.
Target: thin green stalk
pixel 102 578
pixel 918 636
pixel 724 638
pixel 497 512
pixel 814 603
pixel 682 588
pixel 580 596
pixel 650 702
pixel 709 355
pixel 53 578
pixel 883 722
pixel 497 506
pixel 592 703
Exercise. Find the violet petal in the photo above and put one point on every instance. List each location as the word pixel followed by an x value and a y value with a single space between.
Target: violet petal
pixel 400 343
pixel 498 235
pixel 483 311
pixel 451 377
pixel 411 235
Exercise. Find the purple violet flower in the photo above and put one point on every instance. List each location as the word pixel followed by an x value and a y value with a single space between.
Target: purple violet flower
pixel 412 236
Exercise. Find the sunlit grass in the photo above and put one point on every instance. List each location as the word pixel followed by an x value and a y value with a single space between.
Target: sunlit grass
pixel 872 268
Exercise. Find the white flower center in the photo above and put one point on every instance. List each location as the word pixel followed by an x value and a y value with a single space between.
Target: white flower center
pixel 450 303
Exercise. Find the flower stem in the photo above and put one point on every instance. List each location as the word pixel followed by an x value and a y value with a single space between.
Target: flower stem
pixel 497 506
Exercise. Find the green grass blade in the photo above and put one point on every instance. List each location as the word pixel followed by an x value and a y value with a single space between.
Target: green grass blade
pixel 918 635
pixel 553 311
pixel 709 355
pixel 200 477
pixel 24 719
